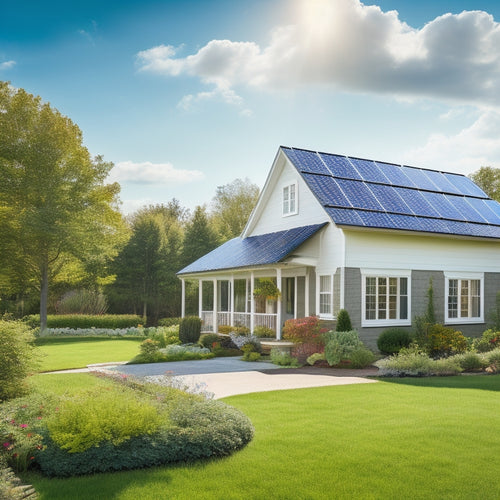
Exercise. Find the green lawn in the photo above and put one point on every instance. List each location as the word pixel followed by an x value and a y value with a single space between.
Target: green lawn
pixel 70 352
pixel 433 438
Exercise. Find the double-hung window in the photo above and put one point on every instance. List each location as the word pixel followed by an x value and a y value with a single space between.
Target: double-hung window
pixel 326 296
pixel 386 298
pixel 290 199
pixel 464 298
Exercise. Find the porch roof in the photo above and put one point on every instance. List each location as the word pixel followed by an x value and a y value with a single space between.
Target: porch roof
pixel 263 249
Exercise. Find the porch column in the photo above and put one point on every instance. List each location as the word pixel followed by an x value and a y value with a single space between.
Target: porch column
pixel 295 298
pixel 278 305
pixel 252 303
pixel 200 298
pixel 231 299
pixel 306 292
pixel 183 300
pixel 216 305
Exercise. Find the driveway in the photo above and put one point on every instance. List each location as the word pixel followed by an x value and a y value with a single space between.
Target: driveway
pixel 224 377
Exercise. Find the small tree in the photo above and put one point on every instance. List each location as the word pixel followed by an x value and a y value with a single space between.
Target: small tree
pixel 494 314
pixel 343 321
pixel 190 330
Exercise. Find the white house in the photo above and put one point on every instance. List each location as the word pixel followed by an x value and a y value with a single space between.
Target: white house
pixel 340 232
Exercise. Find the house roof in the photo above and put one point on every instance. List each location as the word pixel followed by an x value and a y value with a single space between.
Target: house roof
pixel 373 194
pixel 269 248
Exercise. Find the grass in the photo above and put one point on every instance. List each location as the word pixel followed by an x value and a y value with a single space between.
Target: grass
pixel 431 438
pixel 73 352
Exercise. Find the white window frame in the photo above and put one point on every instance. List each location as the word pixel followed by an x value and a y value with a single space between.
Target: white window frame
pixel 384 273
pixel 463 276
pixel 287 199
pixel 319 293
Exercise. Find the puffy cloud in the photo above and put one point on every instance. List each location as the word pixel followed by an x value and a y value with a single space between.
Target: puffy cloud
pixel 473 147
pixel 7 65
pixel 348 45
pixel 152 173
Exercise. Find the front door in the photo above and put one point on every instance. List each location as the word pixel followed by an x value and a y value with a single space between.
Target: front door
pixel 288 296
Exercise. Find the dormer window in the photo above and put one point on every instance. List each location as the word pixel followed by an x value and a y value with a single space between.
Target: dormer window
pixel 290 201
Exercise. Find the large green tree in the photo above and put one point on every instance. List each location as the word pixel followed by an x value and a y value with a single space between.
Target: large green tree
pixel 54 202
pixel 232 205
pixel 488 179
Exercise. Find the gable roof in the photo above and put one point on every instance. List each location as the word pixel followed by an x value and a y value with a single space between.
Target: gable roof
pixel 373 194
pixel 269 248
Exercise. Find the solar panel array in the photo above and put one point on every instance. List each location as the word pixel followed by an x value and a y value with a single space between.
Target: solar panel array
pixel 358 192
pixel 258 250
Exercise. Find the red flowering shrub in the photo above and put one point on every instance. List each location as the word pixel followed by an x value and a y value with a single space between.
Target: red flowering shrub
pixel 303 330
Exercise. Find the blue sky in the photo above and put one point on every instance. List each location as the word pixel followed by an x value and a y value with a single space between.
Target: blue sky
pixel 185 96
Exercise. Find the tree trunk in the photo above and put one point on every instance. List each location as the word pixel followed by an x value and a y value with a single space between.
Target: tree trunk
pixel 44 293
pixel 145 312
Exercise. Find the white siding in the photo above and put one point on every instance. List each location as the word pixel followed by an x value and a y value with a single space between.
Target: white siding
pixel 270 218
pixel 373 249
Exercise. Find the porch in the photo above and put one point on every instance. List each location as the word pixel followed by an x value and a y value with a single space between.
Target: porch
pixel 230 300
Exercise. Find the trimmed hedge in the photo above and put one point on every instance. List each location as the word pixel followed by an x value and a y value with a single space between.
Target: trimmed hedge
pixel 86 321
pixel 392 340
pixel 201 429
pixel 190 330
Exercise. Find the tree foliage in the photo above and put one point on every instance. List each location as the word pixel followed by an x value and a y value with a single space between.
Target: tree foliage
pixel 232 205
pixel 488 179
pixel 54 202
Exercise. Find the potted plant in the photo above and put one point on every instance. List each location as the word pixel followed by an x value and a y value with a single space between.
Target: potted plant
pixel 266 289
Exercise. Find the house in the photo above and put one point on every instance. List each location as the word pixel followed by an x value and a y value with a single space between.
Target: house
pixel 338 232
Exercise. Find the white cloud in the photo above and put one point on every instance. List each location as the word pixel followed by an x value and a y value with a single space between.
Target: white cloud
pixel 473 147
pixel 152 173
pixel 7 65
pixel 345 44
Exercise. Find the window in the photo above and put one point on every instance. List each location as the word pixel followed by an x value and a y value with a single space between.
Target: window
pixel 325 296
pixel 386 299
pixel 290 205
pixel 464 298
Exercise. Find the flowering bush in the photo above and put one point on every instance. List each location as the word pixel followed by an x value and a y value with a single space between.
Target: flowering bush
pixel 489 340
pixel 303 330
pixel 444 341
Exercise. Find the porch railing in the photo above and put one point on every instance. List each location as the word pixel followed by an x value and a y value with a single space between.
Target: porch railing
pixel 239 319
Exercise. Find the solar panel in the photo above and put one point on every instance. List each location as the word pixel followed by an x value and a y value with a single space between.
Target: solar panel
pixel 349 217
pixel 419 178
pixel 369 170
pixel 465 208
pixel 326 190
pixel 310 162
pixel 441 182
pixel 376 219
pixel 494 207
pixel 486 209
pixel 395 174
pixel 359 195
pixel 340 166
pixel 389 198
pixel 443 206
pixel 417 204
pixel 465 185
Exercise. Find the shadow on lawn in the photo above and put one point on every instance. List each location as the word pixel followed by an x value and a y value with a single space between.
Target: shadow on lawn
pixel 473 381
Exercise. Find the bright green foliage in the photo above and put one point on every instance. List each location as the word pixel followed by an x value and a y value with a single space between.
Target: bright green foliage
pixel 343 321
pixel 95 417
pixel 82 302
pixel 264 332
pixel 55 205
pixel 149 347
pixel 231 207
pixel 239 330
pixel 361 357
pixel 339 346
pixel 390 341
pixel 488 179
pixel 17 358
pixel 208 339
pixel 281 358
pixel 444 341
pixel 169 321
pixel 317 356
pixel 422 323
pixel 249 353
pixel 494 314
pixel 492 359
pixel 470 361
pixel 489 340
pixel 171 353
pixel 164 335
pixel 87 320
pixel 190 330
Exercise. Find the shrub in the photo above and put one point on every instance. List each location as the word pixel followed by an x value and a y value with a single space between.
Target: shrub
pixel 169 321
pixel 164 335
pixel 343 321
pixel 390 341
pixel 445 366
pixel 17 358
pixel 87 321
pixel 149 347
pixel 361 357
pixel 444 341
pixel 173 352
pixel 208 339
pixel 239 330
pixel 489 340
pixel 303 351
pixel 190 329
pixel 317 356
pixel 492 359
pixel 241 340
pixel 82 302
pixel 92 332
pixel 303 330
pixel 339 345
pixel 264 332
pixel 249 353
pixel 281 358
pixel 494 314
pixel 470 361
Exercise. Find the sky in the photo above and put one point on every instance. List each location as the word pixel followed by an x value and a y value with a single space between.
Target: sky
pixel 184 96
